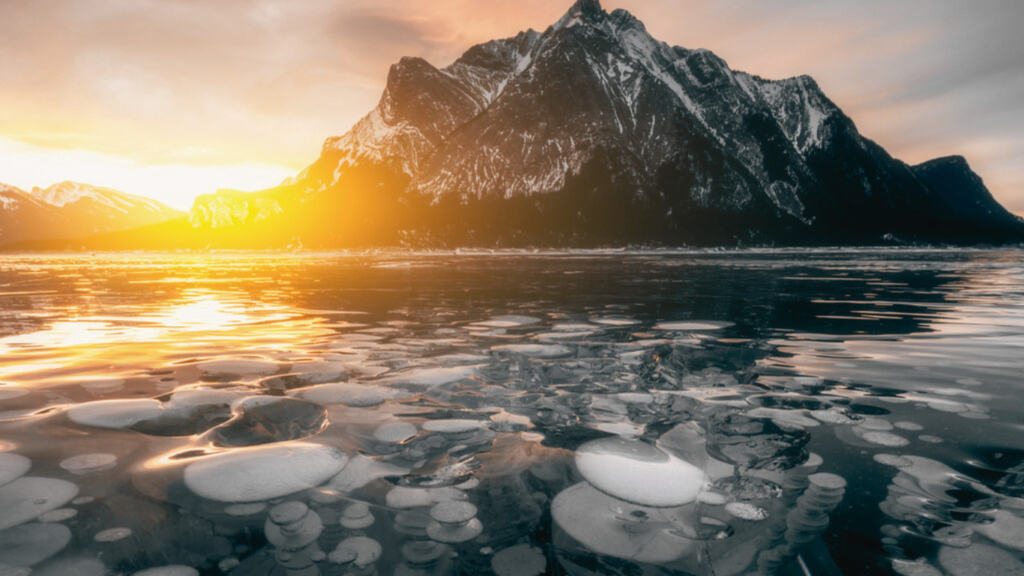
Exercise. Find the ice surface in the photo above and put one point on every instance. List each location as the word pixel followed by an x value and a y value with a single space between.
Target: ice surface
pixel 263 473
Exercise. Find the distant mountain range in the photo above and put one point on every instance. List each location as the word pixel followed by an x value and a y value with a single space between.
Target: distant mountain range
pixel 70 210
pixel 593 133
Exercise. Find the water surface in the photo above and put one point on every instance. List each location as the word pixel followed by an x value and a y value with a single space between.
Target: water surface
pixel 566 396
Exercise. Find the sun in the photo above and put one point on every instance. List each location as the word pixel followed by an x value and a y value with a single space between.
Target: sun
pixel 177 185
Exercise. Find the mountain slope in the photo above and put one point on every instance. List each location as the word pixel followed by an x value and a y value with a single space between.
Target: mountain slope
pixel 72 210
pixel 594 133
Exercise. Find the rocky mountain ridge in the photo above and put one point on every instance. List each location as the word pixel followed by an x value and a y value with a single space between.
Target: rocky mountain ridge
pixel 73 210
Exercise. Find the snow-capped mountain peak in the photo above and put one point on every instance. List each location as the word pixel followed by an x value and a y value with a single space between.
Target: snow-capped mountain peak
pixel 595 107
pixel 74 210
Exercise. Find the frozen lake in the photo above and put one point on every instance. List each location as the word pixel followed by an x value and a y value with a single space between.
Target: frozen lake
pixel 698 413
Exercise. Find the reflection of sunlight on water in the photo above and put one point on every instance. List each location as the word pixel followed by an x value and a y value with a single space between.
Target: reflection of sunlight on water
pixel 455 369
pixel 132 336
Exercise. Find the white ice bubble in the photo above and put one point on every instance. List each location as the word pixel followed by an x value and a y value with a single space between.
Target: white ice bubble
pixel 910 426
pixel 535 350
pixel 519 560
pixel 263 472
pixel 603 524
pixel 12 467
pixel 509 321
pixel 943 405
pixel 27 497
pixel 639 472
pixel 30 544
pixel 1007 530
pixel 349 394
pixel 115 414
pixel 88 463
pixel 694 326
pixel 112 534
pixel 979 560
pixel 431 377
pixel 885 439
pixel 785 417
pixel 615 321
pixel 58 515
pixel 453 425
pixel 894 460
pixel 745 511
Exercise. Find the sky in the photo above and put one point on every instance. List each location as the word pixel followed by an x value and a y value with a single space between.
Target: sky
pixel 175 98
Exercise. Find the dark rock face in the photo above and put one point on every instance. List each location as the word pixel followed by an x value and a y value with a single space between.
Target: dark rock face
pixel 594 133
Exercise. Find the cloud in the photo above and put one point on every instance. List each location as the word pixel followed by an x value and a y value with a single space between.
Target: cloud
pixel 220 82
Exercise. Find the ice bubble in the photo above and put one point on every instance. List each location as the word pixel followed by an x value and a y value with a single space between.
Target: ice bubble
pixel 352 395
pixel 615 321
pixel 930 439
pixel 510 321
pixel 876 424
pixel 240 366
pixel 573 327
pixel 885 439
pixel 176 570
pixel 360 471
pixel 712 498
pixel 88 463
pixel 265 420
pixel 1008 530
pixel 395 432
pixel 949 406
pixel 979 560
pixel 784 417
pixel 453 425
pixel 12 467
pixel 30 544
pixel 745 511
pixel 519 560
pixel 365 551
pixel 542 351
pixel 112 534
pixel 607 526
pixel 639 472
pixel 969 382
pixel 836 416
pixel 404 498
pixel 26 498
pixel 263 473
pixel 694 326
pixel 919 567
pixel 454 522
pixel 114 414
pixel 58 515
pixel 357 516
pixel 910 426
pixel 894 460
pixel 431 377
pixel 974 415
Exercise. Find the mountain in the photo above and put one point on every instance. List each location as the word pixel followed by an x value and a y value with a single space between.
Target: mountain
pixel 593 133
pixel 71 210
